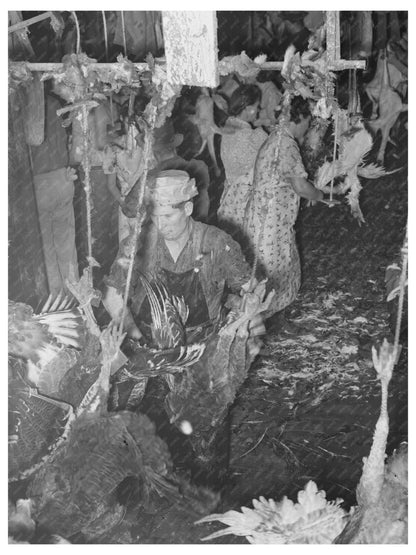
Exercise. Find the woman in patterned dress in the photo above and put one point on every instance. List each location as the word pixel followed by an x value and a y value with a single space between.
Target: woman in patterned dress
pixel 239 148
pixel 280 180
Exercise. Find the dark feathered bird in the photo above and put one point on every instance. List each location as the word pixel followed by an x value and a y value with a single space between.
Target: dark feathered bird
pixel 169 315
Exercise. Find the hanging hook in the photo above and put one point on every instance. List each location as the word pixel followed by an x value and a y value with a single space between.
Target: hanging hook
pixel 105 36
pixel 123 26
pixel 74 15
pixel 106 59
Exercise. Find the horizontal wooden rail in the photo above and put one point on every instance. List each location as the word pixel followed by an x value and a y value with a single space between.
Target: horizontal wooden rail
pixel 337 65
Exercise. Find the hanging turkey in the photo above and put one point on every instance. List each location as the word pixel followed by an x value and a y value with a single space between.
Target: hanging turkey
pixel 382 91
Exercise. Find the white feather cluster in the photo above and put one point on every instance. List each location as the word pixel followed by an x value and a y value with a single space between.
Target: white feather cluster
pixel 312 520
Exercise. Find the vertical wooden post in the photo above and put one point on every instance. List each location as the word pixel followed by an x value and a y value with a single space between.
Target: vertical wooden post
pixel 191 48
pixel 333 43
pixel 27 271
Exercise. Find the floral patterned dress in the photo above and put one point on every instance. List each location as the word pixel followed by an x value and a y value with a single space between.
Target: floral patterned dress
pixel 272 212
pixel 238 153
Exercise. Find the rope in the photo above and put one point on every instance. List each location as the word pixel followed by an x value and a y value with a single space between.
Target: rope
pixel 123 26
pixel 105 36
pixel 401 297
pixel 334 155
pixel 78 32
pixel 139 217
pixel 106 59
pixel 87 187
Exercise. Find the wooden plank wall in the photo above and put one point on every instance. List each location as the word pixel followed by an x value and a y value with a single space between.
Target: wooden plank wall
pixel 27 273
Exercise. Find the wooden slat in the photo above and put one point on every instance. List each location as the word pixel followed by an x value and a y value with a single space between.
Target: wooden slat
pixel 272 66
pixel 337 65
pixel 191 48
pixel 56 66
pixel 333 44
pixel 28 22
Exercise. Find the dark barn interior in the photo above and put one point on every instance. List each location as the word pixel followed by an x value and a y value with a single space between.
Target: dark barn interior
pixel 113 439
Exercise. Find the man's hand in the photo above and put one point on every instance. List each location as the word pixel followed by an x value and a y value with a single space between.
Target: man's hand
pixel 134 332
pixel 111 341
pixel 71 174
pixel 249 286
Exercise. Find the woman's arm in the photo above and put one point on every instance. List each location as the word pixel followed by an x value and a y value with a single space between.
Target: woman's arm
pixel 305 189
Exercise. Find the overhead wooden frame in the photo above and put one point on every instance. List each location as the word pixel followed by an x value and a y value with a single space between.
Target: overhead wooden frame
pixel 209 42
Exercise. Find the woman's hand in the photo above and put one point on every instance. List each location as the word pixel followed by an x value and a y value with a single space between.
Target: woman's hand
pixel 71 174
pixel 134 332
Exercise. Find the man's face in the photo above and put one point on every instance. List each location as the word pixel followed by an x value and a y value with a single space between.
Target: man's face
pixel 302 128
pixel 172 223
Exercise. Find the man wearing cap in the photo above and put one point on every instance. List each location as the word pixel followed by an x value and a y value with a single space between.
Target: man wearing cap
pixel 196 261
pixel 165 143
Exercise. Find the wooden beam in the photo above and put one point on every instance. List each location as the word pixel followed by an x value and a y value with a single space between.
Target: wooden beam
pixel 336 65
pixel 270 66
pixel 28 22
pixel 56 66
pixel 333 41
pixel 191 47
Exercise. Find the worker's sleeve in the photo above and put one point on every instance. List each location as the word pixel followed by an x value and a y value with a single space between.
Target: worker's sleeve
pixel 231 262
pixel 118 272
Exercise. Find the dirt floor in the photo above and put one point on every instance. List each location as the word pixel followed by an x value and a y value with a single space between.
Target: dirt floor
pixel 308 408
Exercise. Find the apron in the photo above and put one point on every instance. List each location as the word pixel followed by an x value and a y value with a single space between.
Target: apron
pixel 187 285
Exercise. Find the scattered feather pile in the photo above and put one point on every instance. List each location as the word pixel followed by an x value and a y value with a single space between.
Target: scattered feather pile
pixel 382 495
pixel 327 349
pixel 313 519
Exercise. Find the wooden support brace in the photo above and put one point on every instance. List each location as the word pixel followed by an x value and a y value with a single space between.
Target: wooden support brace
pixel 337 65
pixel 56 66
pixel 333 44
pixel 28 22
